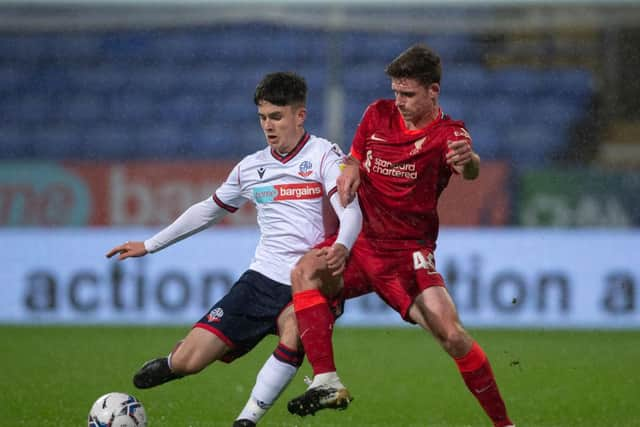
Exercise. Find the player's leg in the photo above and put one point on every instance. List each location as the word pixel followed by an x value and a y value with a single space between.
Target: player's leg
pixel 435 309
pixel 199 349
pixel 191 355
pixel 276 373
pixel 313 285
pixel 310 287
pixel 231 328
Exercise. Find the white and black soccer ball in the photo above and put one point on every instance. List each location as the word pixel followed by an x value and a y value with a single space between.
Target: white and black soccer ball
pixel 117 410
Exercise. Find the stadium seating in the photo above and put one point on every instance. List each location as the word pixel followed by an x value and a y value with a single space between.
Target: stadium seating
pixel 188 93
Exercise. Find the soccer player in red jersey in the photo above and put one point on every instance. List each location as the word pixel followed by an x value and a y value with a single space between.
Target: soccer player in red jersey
pixel 402 157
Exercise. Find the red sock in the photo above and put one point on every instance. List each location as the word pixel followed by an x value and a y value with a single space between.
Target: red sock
pixel 315 325
pixel 478 376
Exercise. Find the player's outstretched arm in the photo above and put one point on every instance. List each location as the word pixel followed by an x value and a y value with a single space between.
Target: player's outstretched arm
pixel 193 220
pixel 128 250
pixel 349 180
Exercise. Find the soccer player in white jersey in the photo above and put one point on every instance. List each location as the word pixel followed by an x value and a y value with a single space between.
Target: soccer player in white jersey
pixel 289 182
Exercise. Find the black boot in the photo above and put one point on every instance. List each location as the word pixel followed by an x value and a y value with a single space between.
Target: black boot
pixel 243 423
pixel 153 373
pixel 317 398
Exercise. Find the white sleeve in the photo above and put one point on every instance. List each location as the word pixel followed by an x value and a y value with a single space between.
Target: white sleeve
pixel 230 195
pixel 350 221
pixel 193 220
pixel 330 168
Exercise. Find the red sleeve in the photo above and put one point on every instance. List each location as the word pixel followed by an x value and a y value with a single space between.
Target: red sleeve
pixel 362 132
pixel 463 133
pixel 456 132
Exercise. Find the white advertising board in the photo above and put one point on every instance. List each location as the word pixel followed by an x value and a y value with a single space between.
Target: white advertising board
pixel 506 278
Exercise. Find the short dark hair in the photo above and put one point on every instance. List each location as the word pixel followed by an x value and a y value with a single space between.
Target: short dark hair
pixel 281 88
pixel 418 62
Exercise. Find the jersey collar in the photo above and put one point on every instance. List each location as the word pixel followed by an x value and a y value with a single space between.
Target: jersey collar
pixel 285 158
pixel 413 132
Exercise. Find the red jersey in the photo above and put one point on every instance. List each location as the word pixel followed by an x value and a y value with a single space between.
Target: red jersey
pixel 403 173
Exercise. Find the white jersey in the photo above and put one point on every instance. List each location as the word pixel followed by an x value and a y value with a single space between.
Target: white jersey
pixel 289 194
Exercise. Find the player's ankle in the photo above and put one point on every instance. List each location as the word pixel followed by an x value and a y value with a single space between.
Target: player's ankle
pixel 327 379
pixel 253 411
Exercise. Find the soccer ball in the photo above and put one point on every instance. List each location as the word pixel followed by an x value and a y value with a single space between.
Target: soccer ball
pixel 117 410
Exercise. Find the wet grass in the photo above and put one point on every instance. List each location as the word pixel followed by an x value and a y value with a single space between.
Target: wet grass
pixel 399 377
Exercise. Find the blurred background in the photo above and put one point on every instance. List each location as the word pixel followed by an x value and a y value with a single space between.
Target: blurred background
pixel 115 116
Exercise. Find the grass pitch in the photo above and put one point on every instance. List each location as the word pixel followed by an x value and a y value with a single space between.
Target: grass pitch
pixel 50 376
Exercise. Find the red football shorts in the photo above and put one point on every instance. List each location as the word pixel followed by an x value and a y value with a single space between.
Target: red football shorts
pixel 397 272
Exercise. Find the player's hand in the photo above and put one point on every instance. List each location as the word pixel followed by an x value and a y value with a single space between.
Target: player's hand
pixel 128 250
pixel 337 258
pixel 460 153
pixel 348 181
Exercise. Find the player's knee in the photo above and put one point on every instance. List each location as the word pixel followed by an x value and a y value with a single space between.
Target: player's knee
pixel 185 362
pixel 455 341
pixel 304 276
pixel 297 278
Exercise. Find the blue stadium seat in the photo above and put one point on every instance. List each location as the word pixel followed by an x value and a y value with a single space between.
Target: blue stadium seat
pixel 174 47
pixel 534 146
pixel 455 106
pixel 465 80
pixel 552 111
pixel 111 142
pixel 74 47
pixel 211 141
pixel 82 109
pixel 234 44
pixel 57 142
pixel 24 48
pixel 130 106
pixel 14 78
pixel 27 108
pixel 159 80
pixel 53 78
pixel 125 48
pixel 105 78
pixel 207 78
pixel 360 47
pixel 223 141
pixel 518 82
pixel 367 77
pixel 135 93
pixel 16 143
pixel 185 109
pixel 488 140
pixel 454 48
pixel 160 141
pixel 500 110
pixel 577 84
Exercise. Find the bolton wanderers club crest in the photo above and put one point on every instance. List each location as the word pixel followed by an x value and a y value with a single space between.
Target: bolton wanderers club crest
pixel 215 315
pixel 306 169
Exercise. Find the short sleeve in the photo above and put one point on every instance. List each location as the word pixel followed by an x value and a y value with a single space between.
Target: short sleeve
pixel 360 137
pixel 455 133
pixel 229 195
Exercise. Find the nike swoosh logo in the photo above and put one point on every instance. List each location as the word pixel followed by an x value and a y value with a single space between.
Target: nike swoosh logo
pixel 304 332
pixel 482 390
pixel 377 138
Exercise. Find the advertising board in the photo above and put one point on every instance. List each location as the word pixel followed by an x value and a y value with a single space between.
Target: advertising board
pixel 499 278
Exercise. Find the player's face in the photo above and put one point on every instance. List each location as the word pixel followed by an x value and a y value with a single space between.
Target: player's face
pixel 283 126
pixel 417 104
